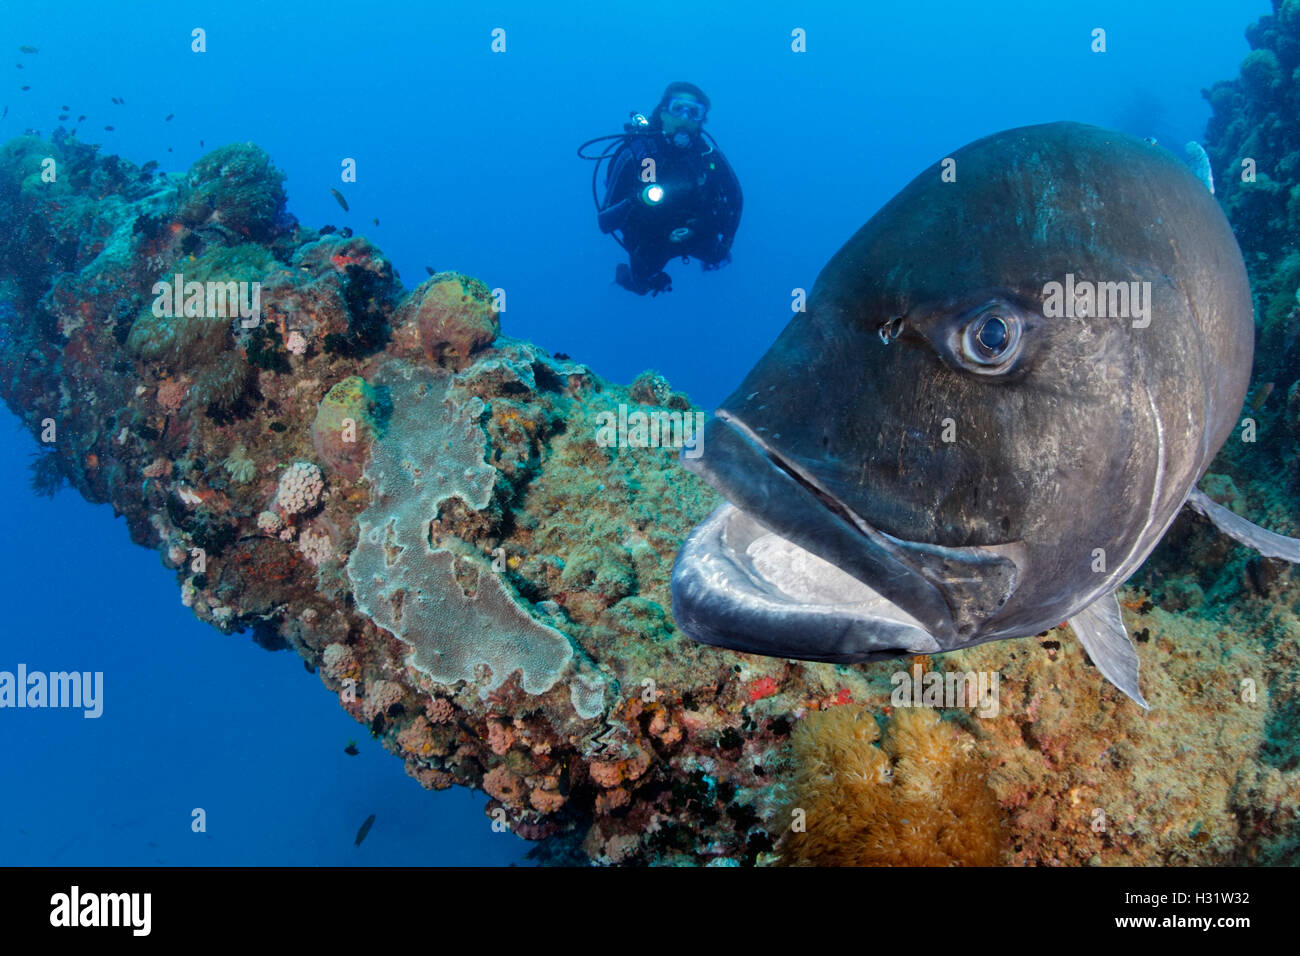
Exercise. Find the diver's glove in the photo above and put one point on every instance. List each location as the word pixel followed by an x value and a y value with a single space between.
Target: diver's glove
pixel 660 282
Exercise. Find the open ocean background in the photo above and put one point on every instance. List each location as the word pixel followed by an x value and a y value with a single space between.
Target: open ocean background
pixel 467 158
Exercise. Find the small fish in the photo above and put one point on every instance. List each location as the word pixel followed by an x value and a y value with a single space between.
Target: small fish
pixel 108 129
pixel 81 119
pixel 19 65
pixel 5 113
pixel 28 49
pixel 26 88
pixel 201 146
pixel 365 828
pixel 376 220
pixel 339 196
pixel 1261 396
pixel 62 117
pixel 429 269
pixel 118 100
pixel 170 117
pixel 169 149
pixel 66 109
pixel 351 749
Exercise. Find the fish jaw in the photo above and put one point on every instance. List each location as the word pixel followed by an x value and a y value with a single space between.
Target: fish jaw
pixel 791 571
pixel 763 485
pixel 737 585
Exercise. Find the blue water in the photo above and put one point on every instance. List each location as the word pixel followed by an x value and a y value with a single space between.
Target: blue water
pixel 467 159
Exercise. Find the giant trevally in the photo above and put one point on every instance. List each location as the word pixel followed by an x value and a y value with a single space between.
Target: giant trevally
pixel 1003 389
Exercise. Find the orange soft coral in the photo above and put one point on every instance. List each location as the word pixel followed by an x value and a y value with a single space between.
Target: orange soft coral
pixel 915 799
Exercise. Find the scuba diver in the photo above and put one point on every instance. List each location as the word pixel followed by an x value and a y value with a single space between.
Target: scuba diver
pixel 669 191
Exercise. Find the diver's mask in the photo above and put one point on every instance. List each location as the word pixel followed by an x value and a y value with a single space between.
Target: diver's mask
pixel 686 109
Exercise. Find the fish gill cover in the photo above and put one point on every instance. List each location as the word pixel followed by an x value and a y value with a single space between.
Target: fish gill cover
pixel 421 509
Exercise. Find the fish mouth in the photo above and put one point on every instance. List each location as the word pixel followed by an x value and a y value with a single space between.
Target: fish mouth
pixel 787 569
pixel 740 586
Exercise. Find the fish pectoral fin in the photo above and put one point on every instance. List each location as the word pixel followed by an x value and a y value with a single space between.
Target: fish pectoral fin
pixel 975 581
pixel 1100 630
pixel 1268 543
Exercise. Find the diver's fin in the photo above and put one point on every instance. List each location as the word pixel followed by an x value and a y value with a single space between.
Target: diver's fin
pixel 1100 630
pixel 1268 543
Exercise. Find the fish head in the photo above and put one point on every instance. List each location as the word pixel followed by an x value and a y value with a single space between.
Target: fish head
pixel 935 454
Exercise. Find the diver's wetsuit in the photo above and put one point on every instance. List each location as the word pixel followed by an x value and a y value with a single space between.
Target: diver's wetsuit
pixel 701 194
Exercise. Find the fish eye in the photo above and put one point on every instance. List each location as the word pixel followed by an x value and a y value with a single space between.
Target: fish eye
pixel 991 340
pixel 993 334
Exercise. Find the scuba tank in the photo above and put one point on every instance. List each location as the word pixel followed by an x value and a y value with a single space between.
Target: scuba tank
pixel 637 125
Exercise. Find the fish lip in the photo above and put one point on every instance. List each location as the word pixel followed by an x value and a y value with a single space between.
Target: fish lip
pixel 833 504
pixel 721 598
pixel 785 499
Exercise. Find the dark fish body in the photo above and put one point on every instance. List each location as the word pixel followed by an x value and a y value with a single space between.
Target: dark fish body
pixel 930 457
pixel 339 197
pixel 365 828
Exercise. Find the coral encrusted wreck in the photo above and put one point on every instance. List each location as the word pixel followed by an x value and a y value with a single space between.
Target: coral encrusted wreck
pixel 421 508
